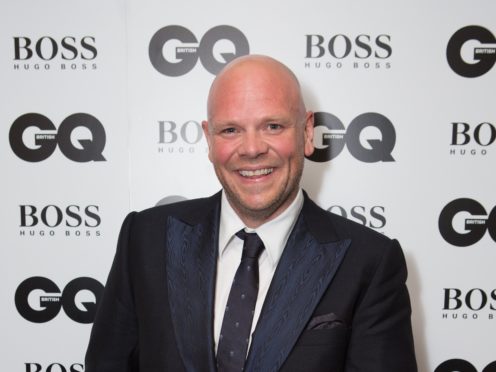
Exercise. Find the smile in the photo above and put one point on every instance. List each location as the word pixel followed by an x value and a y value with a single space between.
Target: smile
pixel 254 173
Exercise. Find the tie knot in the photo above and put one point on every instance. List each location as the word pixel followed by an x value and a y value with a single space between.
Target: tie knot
pixel 252 246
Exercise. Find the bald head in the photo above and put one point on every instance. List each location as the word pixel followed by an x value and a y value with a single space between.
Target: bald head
pixel 256 70
pixel 258 134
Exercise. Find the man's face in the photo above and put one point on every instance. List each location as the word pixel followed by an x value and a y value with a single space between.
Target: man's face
pixel 258 134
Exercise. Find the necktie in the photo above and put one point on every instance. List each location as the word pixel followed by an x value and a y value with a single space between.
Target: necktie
pixel 238 317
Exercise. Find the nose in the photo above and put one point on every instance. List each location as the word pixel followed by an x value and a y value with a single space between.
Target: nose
pixel 253 144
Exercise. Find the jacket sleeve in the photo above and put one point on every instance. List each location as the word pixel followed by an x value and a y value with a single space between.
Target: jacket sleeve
pixel 113 340
pixel 381 338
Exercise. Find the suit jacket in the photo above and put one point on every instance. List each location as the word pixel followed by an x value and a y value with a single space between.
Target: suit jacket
pixel 337 301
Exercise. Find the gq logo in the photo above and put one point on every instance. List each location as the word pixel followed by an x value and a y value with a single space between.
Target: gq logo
pixel 460 365
pixel 45 143
pixel 174 50
pixel 475 225
pixel 331 134
pixel 51 301
pixel 484 56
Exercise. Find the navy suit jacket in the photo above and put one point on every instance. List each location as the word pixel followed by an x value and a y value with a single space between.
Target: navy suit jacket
pixel 337 302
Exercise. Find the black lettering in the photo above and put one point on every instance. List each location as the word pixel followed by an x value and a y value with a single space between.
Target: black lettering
pixel 491 137
pixel 456 133
pixel 483 299
pixel 358 212
pixel 68 46
pixel 378 216
pixel 452 295
pixel 332 46
pixel 29 367
pixel 363 45
pixel 53 49
pixel 384 46
pixel 315 42
pixel 72 211
pixel 31 213
pixel 45 213
pixel 92 215
pixel 18 46
pixel 87 43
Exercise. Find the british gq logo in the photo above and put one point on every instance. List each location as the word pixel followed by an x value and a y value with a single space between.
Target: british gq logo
pixel 53 367
pixel 373 217
pixel 177 137
pixel 338 51
pixel 461 365
pixel 48 53
pixel 471 51
pixel 331 137
pixel 53 220
pixel 39 299
pixel 469 304
pixel 174 50
pixel 43 137
pixel 468 139
pixel 463 222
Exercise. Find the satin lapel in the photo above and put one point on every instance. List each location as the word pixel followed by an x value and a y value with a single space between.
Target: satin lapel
pixel 304 272
pixel 191 263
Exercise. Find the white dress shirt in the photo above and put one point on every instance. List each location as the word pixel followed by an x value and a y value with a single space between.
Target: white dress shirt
pixel 274 235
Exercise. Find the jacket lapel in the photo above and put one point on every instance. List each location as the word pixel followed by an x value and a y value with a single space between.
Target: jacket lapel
pixel 191 264
pixel 308 264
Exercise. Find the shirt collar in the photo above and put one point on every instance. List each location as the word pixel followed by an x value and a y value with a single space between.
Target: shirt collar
pixel 274 233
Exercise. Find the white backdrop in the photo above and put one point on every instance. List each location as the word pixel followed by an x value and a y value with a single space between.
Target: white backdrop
pixel 428 139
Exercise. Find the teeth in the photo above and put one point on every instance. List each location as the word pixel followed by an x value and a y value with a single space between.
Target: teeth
pixel 258 172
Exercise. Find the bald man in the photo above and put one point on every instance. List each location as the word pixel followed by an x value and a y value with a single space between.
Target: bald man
pixel 187 292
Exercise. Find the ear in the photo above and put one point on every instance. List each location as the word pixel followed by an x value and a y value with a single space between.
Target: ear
pixel 207 136
pixel 309 123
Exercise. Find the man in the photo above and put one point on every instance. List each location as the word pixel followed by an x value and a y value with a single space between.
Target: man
pixel 330 294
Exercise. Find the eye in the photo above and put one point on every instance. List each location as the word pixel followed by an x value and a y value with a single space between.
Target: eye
pixel 228 131
pixel 274 127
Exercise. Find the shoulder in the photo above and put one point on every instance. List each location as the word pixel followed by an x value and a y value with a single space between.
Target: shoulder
pixel 190 211
pixel 327 226
pixel 366 244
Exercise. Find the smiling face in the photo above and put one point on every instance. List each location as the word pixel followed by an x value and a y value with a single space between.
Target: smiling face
pixel 258 134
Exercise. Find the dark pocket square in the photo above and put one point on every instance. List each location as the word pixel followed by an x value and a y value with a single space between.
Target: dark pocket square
pixel 325 321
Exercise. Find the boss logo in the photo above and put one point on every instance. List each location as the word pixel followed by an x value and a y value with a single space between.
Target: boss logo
pixel 483 58
pixel 331 137
pixel 474 219
pixel 51 301
pixel 465 134
pixel 474 299
pixel 47 48
pixel 341 46
pixel 53 367
pixel 373 217
pixel 460 365
pixel 87 149
pixel 189 132
pixel 177 137
pixel 174 50
pixel 53 216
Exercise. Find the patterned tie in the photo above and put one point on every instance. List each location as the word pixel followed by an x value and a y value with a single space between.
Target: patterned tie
pixel 236 326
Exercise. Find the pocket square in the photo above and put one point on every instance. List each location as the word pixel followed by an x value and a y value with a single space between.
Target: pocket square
pixel 325 321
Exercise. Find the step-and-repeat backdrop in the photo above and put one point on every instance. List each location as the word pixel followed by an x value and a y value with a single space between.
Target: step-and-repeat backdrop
pixel 101 105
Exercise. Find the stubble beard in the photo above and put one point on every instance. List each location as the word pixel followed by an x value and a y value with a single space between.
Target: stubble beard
pixel 269 211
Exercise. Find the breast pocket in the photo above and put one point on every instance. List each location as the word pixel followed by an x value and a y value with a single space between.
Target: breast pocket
pixel 319 350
